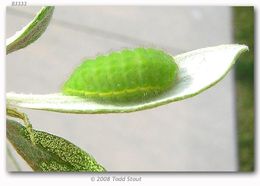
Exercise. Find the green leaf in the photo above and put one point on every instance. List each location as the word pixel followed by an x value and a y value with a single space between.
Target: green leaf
pixel 199 70
pixel 30 32
pixel 50 153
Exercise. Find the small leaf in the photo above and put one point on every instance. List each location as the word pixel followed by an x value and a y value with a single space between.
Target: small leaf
pixel 50 153
pixel 198 71
pixel 30 32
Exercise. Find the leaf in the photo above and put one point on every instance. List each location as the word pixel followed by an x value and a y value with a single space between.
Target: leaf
pixel 31 32
pixel 199 70
pixel 50 153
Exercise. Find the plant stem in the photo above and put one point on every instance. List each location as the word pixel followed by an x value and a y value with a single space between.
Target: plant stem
pixel 13 112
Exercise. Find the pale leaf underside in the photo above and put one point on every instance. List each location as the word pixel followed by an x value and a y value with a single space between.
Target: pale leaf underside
pixel 31 32
pixel 199 70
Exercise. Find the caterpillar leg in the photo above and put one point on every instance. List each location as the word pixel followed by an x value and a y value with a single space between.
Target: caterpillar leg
pixel 13 112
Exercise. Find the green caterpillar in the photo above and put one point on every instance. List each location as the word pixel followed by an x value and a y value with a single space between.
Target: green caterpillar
pixel 123 76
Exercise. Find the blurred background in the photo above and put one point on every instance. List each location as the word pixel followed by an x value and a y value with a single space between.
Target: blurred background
pixel 209 132
pixel 244 33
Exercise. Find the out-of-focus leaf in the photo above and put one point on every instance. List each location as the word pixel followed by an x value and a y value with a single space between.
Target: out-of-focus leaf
pixel 50 153
pixel 30 32
pixel 198 70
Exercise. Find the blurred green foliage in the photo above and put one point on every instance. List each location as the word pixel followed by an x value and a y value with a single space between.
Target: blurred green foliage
pixel 244 72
